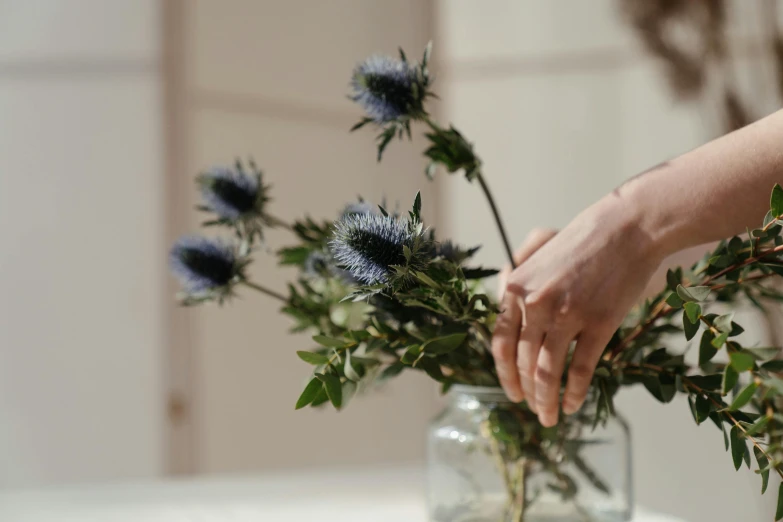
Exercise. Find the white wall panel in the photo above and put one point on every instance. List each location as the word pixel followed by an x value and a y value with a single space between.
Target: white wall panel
pixel 81 273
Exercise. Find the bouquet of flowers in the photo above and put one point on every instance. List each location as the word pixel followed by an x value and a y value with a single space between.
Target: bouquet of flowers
pixel 380 293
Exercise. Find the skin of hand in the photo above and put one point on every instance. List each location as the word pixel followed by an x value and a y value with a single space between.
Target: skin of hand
pixel 579 284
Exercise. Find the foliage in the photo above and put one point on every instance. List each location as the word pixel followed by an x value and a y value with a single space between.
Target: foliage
pixel 428 314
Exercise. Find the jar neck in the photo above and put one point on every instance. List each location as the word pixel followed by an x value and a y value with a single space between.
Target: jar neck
pixel 467 395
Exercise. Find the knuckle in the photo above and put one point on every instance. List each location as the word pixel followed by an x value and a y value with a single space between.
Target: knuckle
pixel 544 375
pixel 540 233
pixel 525 368
pixel 501 352
pixel 580 372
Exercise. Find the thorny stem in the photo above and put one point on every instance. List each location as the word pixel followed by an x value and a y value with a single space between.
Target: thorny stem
pixel 267 291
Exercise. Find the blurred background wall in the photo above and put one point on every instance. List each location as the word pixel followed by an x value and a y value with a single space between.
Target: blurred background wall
pixel 109 107
pixel 82 258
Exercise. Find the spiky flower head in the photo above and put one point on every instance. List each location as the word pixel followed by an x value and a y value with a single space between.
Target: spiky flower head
pixel 236 197
pixel 318 264
pixel 207 268
pixel 369 246
pixel 388 89
pixel 360 207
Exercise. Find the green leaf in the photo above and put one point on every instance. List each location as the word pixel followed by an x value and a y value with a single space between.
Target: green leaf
pixel 757 426
pixel 730 378
pixel 309 393
pixel 412 354
pixel 763 354
pixel 445 344
pixel 674 300
pixel 723 322
pixel 693 293
pixel 312 357
pixel 707 382
pixel 690 328
pixel 348 369
pixel 719 341
pixel 703 408
pixel 417 205
pixel 328 341
pixel 721 261
pixel 746 456
pixel 741 361
pixel 293 255
pixel 776 203
pixel 334 389
pixel 763 470
pixel 693 311
pixel 744 396
pixel 738 447
pixel 779 511
pixel 778 269
pixel 706 350
pixel 427 280
pixel 392 370
pixel 673 279
pixel 773 366
pixel 735 245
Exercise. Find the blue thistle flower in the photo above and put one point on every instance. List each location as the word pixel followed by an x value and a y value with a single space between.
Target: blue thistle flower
pixel 317 264
pixel 360 207
pixel 205 266
pixel 389 89
pixel 369 245
pixel 231 193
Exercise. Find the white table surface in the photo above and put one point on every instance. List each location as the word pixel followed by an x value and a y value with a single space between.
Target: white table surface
pixel 385 495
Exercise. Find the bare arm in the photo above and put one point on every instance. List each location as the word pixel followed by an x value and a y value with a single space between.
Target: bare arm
pixel 712 192
pixel 581 283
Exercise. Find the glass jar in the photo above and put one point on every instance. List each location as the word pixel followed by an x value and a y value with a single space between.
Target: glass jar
pixel 490 460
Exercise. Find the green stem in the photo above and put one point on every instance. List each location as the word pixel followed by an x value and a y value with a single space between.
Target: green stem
pixel 267 291
pixel 490 199
pixel 498 219
pixel 521 492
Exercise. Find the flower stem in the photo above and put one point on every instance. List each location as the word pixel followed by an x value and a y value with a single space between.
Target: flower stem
pixel 498 219
pixel 267 291
pixel 484 187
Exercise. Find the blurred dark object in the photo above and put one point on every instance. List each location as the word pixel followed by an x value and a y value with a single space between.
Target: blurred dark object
pixel 689 38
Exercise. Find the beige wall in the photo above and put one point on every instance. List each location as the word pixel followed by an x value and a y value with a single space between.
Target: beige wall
pixel 269 80
pixel 82 251
pixel 563 106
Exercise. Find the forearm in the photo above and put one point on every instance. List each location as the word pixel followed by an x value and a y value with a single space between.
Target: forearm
pixel 708 194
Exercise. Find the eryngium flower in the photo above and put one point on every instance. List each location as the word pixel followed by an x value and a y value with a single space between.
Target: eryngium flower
pixel 318 264
pixel 369 245
pixel 204 265
pixel 388 89
pixel 231 193
pixel 360 207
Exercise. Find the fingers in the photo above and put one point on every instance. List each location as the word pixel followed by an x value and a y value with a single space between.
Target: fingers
pixel 535 239
pixel 548 375
pixel 504 347
pixel 589 348
pixel 531 337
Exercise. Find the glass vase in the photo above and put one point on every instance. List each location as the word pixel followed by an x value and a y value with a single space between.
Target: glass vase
pixel 489 460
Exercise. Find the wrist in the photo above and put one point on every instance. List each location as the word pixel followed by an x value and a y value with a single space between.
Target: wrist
pixel 636 217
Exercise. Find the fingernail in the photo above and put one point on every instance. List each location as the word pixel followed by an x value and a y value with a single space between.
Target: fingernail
pixel 569 408
pixel 547 421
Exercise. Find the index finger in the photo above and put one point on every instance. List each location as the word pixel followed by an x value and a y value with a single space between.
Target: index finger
pixel 504 346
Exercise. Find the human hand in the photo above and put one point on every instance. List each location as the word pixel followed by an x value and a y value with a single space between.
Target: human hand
pixel 576 285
